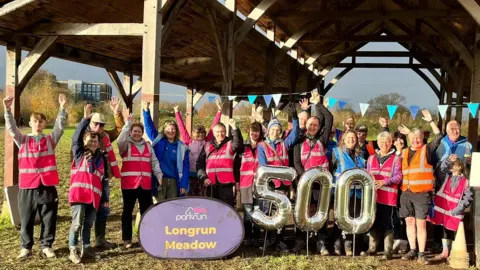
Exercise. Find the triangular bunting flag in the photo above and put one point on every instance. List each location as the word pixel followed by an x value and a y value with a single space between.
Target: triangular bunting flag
pixel 473 108
pixel 363 108
pixel 414 110
pixel 276 98
pixel 341 104
pixel 442 109
pixel 211 99
pixel 231 97
pixel 268 99
pixel 251 98
pixel 331 102
pixel 391 110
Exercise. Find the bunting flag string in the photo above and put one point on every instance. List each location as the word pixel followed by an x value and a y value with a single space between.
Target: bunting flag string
pixel 251 98
pixel 276 98
pixel 473 108
pixel 268 100
pixel 414 110
pixel 331 102
pixel 232 97
pixel 442 109
pixel 391 110
pixel 342 104
pixel 211 99
pixel 363 108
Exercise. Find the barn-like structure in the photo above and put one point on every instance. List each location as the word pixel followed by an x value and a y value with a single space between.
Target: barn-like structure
pixel 240 47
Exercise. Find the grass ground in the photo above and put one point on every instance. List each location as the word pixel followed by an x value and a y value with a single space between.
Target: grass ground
pixel 136 259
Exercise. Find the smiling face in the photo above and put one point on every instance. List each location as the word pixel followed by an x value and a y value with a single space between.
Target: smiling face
pixel 91 141
pixel 362 136
pixel 313 126
pixel 274 132
pixel 416 139
pixel 349 123
pixel 220 133
pixel 349 140
pixel 170 132
pixel 136 133
pixel 385 144
pixel 453 131
pixel 97 127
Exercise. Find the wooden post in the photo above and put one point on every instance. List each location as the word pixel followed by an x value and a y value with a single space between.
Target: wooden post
pixel 448 116
pixel 13 58
pixel 152 20
pixel 473 139
pixel 459 101
pixel 128 85
pixel 189 110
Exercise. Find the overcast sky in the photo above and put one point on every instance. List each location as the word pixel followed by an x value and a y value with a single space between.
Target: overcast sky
pixel 359 85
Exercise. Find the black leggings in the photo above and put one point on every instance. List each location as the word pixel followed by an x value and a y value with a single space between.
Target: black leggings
pixel 448 234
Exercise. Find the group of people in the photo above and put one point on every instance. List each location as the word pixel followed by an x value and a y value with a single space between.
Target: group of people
pixel 414 183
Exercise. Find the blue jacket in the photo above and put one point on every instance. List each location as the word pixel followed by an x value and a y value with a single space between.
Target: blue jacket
pixel 289 142
pixel 345 162
pixel 459 148
pixel 159 144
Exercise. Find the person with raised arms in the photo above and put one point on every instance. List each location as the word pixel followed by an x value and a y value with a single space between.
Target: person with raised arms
pixel 38 176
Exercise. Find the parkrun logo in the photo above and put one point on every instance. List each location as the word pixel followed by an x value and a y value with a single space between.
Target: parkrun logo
pixel 193 213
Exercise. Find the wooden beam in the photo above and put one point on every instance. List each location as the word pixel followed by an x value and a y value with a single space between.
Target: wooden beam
pixel 189 110
pixel 127 85
pixel 117 83
pixel 367 38
pixel 369 54
pixel 269 68
pixel 472 7
pixel 136 87
pixel 14 5
pixel 172 16
pixel 252 18
pixel 459 101
pixel 378 65
pixel 444 30
pixel 151 56
pixel 35 59
pixel 314 14
pixel 13 57
pixel 336 79
pixel 222 56
pixel 87 29
pixel 428 81
pixel 186 61
pixel 473 122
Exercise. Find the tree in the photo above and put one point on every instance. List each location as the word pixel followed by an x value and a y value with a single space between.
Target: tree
pixel 378 105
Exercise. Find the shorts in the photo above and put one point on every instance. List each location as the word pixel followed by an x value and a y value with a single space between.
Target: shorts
pixel 415 204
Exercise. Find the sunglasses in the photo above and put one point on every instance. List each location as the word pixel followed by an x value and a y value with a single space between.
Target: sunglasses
pixel 99 124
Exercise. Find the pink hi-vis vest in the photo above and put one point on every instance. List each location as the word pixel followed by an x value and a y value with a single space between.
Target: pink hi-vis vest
pixel 112 160
pixel 137 167
pixel 446 201
pixel 386 194
pixel 313 157
pixel 220 163
pixel 37 163
pixel 248 167
pixel 86 187
pixel 273 160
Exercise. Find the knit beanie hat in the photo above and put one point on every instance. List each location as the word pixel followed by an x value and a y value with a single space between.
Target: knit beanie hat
pixel 274 122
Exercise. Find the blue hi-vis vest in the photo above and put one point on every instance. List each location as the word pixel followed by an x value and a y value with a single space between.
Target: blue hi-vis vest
pixel 345 162
pixel 463 147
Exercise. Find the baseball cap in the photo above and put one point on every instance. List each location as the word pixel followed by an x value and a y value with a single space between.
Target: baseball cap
pixel 362 128
pixel 98 118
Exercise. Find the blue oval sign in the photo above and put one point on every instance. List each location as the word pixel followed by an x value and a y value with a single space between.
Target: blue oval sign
pixel 190 228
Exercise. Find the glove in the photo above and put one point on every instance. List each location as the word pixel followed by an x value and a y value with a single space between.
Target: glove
pixel 292 111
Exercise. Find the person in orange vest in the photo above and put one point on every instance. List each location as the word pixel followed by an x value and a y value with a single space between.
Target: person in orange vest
pixel 138 164
pixel 216 162
pixel 310 152
pixel 451 200
pixel 38 176
pixel 274 152
pixel 386 168
pixel 246 169
pixel 88 168
pixel 97 124
pixel 417 187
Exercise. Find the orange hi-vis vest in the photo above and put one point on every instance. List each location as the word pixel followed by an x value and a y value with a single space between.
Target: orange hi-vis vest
pixel 137 167
pixel 446 201
pixel 313 157
pixel 219 163
pixel 273 159
pixel 86 187
pixel 36 162
pixel 418 175
pixel 370 148
pixel 112 160
pixel 248 167
pixel 386 195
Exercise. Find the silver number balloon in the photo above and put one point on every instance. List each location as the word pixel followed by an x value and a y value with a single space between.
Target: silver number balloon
pixel 365 221
pixel 263 175
pixel 304 192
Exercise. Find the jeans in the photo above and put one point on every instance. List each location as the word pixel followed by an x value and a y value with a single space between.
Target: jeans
pixel 102 213
pixel 251 230
pixel 43 200
pixel 130 197
pixel 83 216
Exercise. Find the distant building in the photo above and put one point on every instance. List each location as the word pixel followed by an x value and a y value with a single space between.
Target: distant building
pixel 85 91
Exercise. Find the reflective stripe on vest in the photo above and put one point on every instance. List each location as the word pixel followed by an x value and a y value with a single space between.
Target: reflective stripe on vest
pixel 419 178
pixel 89 186
pixel 316 156
pixel 219 163
pixel 446 201
pixel 386 195
pixel 86 187
pixel 112 160
pixel 248 167
pixel 136 167
pixel 36 163
pixel 272 159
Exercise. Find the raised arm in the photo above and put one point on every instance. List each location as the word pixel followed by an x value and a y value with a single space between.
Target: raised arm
pixel 293 136
pixel 237 142
pixel 216 120
pixel 150 128
pixel 122 140
pixel 77 139
pixel 59 126
pixel 181 126
pixel 118 118
pixel 327 116
pixel 10 124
